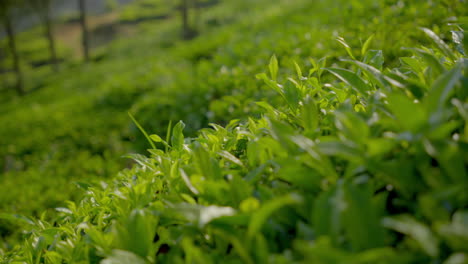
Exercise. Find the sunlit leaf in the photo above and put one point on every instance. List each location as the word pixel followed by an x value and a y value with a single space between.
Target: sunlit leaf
pixel 422 234
pixel 351 79
pixel 273 67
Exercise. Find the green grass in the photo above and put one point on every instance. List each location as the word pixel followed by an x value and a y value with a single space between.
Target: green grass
pixel 359 158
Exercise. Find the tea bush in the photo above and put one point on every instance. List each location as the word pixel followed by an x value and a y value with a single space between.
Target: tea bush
pixel 78 116
pixel 357 164
pixel 357 157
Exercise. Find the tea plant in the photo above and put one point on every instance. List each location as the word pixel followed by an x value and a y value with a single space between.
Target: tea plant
pixel 356 163
pixel 72 126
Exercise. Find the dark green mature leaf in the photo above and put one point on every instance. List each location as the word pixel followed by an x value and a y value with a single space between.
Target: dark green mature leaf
pixel 328 213
pixel 443 87
pixel 310 114
pixel 415 87
pixel 259 218
pixel 361 219
pixel 142 130
pixel 136 233
pixel 421 233
pixel 410 115
pixel 344 149
pixel 300 176
pixel 351 126
pixel 282 132
pixel 456 231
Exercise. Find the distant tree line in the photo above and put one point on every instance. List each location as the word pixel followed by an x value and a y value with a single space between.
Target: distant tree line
pixel 9 13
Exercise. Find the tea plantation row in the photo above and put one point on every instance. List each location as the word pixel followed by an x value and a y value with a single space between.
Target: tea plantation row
pixel 357 158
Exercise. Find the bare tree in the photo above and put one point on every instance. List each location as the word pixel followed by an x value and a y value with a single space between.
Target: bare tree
pixel 84 35
pixel 43 9
pixel 6 7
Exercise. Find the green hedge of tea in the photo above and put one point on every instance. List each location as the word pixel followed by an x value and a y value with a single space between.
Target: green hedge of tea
pixel 357 164
pixel 358 157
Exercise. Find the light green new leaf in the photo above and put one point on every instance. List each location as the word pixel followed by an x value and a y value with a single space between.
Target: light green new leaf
pixel 231 158
pixel 273 66
pixel 202 215
pixel 123 257
pixel 188 182
pixel 431 60
pixel 328 212
pixel 177 138
pixel 457 258
pixel 298 70
pixel 156 138
pixel 346 46
pixel 416 65
pixel 207 165
pixel 351 79
pixel 374 58
pixel 376 76
pixel 272 84
pixel 440 43
pixel 366 45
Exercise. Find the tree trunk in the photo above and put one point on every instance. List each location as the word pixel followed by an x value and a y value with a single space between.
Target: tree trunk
pixel 185 19
pixel 2 66
pixel 84 35
pixel 16 64
pixel 50 38
pixel 196 14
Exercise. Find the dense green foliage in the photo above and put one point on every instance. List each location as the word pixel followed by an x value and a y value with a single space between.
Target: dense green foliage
pixel 357 157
